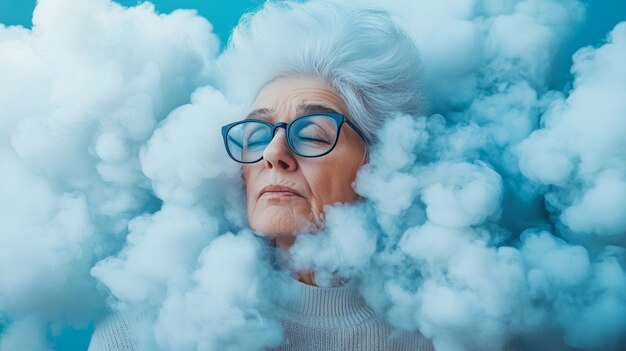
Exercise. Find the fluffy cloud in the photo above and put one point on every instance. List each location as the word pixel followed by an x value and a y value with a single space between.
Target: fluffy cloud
pixel 498 219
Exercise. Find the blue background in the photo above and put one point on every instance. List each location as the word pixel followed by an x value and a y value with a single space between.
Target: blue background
pixel 602 15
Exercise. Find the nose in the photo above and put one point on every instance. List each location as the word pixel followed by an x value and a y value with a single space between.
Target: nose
pixel 279 154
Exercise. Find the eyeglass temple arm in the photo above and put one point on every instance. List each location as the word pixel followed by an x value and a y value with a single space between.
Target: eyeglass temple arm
pixel 356 129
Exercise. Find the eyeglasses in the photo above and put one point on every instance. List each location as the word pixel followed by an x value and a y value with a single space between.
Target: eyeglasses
pixel 311 135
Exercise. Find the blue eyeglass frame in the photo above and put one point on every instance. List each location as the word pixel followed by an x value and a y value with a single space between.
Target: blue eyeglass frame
pixel 337 117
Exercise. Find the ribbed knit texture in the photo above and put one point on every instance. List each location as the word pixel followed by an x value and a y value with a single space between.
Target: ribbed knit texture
pixel 338 319
pixel 328 319
pixel 119 332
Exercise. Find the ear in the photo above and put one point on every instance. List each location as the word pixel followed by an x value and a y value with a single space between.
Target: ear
pixel 366 154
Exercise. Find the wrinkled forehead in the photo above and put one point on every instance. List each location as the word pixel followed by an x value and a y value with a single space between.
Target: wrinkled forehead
pixel 301 109
pixel 292 96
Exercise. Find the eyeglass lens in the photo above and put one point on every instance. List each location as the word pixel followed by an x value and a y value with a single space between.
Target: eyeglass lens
pixel 308 136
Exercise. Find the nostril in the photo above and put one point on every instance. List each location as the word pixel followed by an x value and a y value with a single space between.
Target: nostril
pixel 283 164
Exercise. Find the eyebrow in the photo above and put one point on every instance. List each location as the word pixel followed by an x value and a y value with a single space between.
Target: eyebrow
pixel 304 109
pixel 259 113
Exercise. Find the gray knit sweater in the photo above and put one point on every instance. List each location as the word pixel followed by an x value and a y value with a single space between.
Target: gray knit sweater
pixel 326 319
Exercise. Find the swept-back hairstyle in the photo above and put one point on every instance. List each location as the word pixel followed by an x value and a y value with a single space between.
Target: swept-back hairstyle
pixel 360 52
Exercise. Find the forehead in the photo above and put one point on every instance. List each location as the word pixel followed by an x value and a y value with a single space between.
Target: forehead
pixel 289 96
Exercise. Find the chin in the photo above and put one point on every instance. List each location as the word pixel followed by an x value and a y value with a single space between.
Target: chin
pixel 270 228
pixel 278 221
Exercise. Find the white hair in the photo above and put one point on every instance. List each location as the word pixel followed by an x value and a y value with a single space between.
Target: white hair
pixel 361 53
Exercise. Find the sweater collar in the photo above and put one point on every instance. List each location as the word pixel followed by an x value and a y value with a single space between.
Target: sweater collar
pixel 331 302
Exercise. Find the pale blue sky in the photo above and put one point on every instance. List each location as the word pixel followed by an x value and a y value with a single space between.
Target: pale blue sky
pixel 602 14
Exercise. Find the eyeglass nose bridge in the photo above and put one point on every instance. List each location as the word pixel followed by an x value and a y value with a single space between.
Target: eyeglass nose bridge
pixel 275 128
pixel 278 125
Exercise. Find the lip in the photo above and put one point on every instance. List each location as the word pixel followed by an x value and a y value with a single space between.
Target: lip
pixel 278 190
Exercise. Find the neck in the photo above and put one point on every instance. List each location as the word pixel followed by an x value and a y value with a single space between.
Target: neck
pixel 306 277
pixel 284 242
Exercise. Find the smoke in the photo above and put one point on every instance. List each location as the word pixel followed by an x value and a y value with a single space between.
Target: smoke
pixel 80 96
pixel 499 219
pixel 501 216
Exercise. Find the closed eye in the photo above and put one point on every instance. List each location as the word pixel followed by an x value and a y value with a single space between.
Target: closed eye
pixel 234 141
pixel 312 132
pixel 315 140
pixel 256 144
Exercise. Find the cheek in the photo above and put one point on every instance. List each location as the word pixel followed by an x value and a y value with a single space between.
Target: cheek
pixel 249 180
pixel 318 182
pixel 250 175
pixel 331 182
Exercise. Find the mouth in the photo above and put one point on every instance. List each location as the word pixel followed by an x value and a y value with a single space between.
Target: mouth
pixel 275 190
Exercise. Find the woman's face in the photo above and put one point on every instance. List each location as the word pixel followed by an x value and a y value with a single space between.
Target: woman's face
pixel 313 182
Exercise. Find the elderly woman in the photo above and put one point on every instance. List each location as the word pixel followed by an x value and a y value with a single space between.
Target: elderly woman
pixel 319 81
